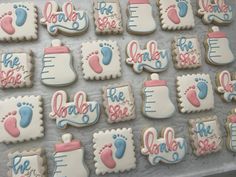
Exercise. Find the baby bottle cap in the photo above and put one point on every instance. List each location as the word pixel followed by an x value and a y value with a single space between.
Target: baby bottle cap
pixel 138 1
pixel 215 28
pixel 154 76
pixel 56 48
pixel 155 81
pixel 56 42
pixel 66 138
pixel 216 33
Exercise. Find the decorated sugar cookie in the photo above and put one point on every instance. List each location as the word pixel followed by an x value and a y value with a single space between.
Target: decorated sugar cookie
pixel 21 119
pixel 78 113
pixel 18 21
pixel 215 11
pixel 205 135
pixel 226 85
pixel 164 148
pixel 29 163
pixel 66 20
pixel 152 59
pixel 100 60
pixel 16 69
pixel 217 46
pixel 176 14
pixel 140 17
pixel 186 52
pixel 107 16
pixel 69 158
pixel 194 93
pixel 114 151
pixel 156 98
pixel 231 131
pixel 57 59
pixel 119 102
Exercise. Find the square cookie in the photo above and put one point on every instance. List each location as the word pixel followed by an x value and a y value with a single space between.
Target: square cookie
pixel 186 52
pixel 205 135
pixel 21 119
pixel 27 163
pixel 119 102
pixel 114 151
pixel 176 15
pixel 107 16
pixel 100 60
pixel 194 93
pixel 18 21
pixel 16 69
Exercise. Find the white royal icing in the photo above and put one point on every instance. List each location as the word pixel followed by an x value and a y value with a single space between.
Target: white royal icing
pixel 195 93
pixel 114 151
pixel 231 131
pixel 67 20
pixel 151 59
pixel 21 119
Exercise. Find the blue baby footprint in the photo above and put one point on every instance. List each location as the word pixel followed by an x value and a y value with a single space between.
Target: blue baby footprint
pixel 120 144
pixel 21 14
pixel 202 87
pixel 26 113
pixel 183 7
pixel 106 50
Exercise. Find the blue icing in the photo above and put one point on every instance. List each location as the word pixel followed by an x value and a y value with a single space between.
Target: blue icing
pixel 203 88
pixel 183 7
pixel 120 144
pixel 26 113
pixel 21 14
pixel 19 166
pixel 106 51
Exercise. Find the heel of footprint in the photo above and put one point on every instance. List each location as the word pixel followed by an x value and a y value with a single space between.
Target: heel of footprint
pixel 10 124
pixel 26 114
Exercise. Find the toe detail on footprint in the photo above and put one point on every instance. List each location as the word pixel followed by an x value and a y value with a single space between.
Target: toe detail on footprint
pixel 106 50
pixel 106 156
pixel 202 87
pixel 21 14
pixel 26 113
pixel 6 23
pixel 191 95
pixel 183 7
pixel 10 124
pixel 120 144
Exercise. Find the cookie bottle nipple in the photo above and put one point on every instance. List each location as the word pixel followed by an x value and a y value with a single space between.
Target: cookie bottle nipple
pixel 157 103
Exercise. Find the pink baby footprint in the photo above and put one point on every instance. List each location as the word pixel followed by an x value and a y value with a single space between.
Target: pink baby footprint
pixel 106 156
pixel 94 62
pixel 6 23
pixel 191 95
pixel 10 124
pixel 172 14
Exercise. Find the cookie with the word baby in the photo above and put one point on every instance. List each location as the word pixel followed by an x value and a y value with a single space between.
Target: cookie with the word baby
pixel 21 119
pixel 114 151
pixel 176 14
pixel 186 52
pixel 18 21
pixel 140 17
pixel 78 113
pixel 16 69
pixel 57 59
pixel 164 148
pixel 118 100
pixel 156 98
pixel 195 93
pixel 230 127
pixel 66 20
pixel 226 85
pixel 215 11
pixel 101 60
pixel 69 158
pixel 217 46
pixel 152 59
pixel 107 16
pixel 205 135
pixel 30 163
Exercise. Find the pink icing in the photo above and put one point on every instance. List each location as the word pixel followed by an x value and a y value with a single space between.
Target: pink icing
pixel 10 126
pixel 232 118
pixel 95 64
pixel 11 77
pixel 6 24
pixel 210 7
pixel 225 81
pixel 107 158
pixel 206 146
pixel 172 15
pixel 116 112
pixel 154 83
pixel 73 145
pixel 56 50
pixel 138 1
pixel 192 97
pixel 216 34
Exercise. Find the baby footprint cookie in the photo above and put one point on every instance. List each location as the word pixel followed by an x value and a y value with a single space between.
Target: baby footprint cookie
pixel 194 93
pixel 114 151
pixel 18 21
pixel 100 60
pixel 21 119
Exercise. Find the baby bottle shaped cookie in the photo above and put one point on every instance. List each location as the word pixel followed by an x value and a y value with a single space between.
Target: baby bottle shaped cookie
pixel 140 18
pixel 57 65
pixel 157 103
pixel 231 132
pixel 69 158
pixel 218 47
